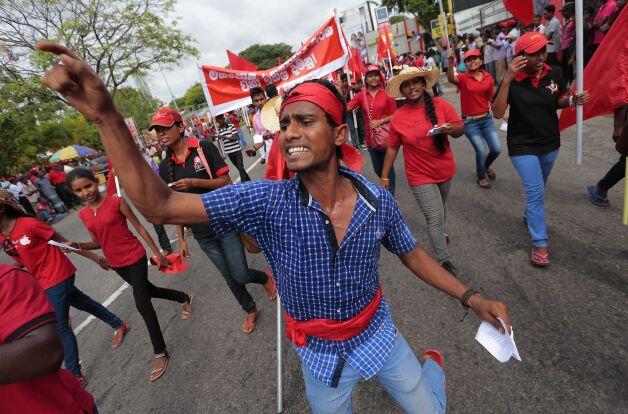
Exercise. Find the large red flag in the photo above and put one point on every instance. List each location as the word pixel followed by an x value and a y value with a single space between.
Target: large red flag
pixel 606 75
pixel 523 10
pixel 239 63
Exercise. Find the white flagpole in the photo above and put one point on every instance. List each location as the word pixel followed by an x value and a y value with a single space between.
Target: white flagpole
pixel 389 62
pixel 579 78
pixel 279 358
pixel 118 189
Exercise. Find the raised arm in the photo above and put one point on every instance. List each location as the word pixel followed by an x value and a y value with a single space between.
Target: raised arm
pixel 500 104
pixel 77 82
pixel 451 76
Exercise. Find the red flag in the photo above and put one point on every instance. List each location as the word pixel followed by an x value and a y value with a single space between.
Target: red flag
pixel 388 43
pixel 239 63
pixel 606 75
pixel 523 10
pixel 381 49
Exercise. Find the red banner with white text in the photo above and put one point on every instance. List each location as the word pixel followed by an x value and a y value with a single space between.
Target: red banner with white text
pixel 228 89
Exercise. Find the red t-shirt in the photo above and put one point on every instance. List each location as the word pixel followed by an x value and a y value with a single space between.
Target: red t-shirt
pixel 47 263
pixel 23 308
pixel 110 229
pixel 56 176
pixel 419 61
pixel 475 94
pixel 380 106
pixel 424 163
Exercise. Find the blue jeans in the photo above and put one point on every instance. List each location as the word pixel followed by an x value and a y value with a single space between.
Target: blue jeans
pixel 227 254
pixel 479 131
pixel 61 296
pixel 534 170
pixel 243 143
pixel 416 389
pixel 377 158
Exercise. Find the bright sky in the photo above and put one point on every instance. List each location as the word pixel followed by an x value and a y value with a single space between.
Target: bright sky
pixel 235 25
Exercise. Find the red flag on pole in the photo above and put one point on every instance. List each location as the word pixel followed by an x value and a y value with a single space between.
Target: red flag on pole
pixel 523 10
pixel 606 75
pixel 381 49
pixel 388 43
pixel 239 63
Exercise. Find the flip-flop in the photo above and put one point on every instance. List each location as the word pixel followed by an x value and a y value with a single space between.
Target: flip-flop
pixel 539 259
pixel 491 174
pixel 252 327
pixel 596 198
pixel 436 355
pixel 485 186
pixel 186 314
pixel 160 371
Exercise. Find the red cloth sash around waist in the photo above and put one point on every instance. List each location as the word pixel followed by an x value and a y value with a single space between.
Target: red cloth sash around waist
pixel 329 329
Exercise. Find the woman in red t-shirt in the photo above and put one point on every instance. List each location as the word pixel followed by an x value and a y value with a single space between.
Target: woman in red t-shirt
pixel 26 239
pixel 377 110
pixel 476 91
pixel 429 162
pixel 106 219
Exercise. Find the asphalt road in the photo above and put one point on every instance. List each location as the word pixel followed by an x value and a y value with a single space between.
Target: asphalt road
pixel 569 319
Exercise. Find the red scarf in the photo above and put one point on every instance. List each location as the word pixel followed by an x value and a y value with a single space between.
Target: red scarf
pixel 329 329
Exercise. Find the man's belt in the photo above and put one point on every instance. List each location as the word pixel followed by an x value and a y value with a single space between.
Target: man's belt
pixel 330 329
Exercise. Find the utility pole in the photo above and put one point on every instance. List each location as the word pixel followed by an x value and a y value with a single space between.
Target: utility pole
pixel 169 90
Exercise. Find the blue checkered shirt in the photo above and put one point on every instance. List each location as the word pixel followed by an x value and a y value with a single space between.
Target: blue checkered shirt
pixel 316 277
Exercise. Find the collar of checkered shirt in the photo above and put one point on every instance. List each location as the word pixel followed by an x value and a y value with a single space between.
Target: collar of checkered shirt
pixel 367 195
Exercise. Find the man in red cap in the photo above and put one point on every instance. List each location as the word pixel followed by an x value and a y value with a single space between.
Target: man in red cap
pixel 377 111
pixel 534 91
pixel 321 232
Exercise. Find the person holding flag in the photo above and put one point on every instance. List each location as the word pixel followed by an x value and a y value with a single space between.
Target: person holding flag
pixel 106 220
pixel 534 91
pixel 321 232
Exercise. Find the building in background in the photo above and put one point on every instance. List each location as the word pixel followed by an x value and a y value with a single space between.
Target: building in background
pixel 472 15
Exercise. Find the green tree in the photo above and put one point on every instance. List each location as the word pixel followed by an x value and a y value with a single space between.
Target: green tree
pixel 118 38
pixel 130 103
pixel 265 55
pixel 423 10
pixel 194 96
pixel 397 19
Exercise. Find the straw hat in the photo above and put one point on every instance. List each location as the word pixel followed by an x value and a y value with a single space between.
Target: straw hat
pixel 270 114
pixel 430 75
pixel 6 199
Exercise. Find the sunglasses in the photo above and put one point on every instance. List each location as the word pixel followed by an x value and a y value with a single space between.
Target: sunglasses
pixel 8 248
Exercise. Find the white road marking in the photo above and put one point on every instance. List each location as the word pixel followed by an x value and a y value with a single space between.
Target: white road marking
pixel 125 285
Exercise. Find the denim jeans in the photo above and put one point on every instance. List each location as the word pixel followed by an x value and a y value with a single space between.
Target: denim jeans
pixel 62 296
pixel 377 158
pixel 534 170
pixel 357 135
pixel 227 254
pixel 416 389
pixel 478 132
pixel 432 200
pixel 243 143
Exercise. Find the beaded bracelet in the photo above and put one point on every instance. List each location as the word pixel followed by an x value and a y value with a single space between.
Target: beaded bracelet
pixel 465 301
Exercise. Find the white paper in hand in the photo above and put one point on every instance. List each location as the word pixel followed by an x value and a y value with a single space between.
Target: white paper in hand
pixel 258 139
pixel 504 126
pixel 501 346
pixel 62 245
pixel 436 130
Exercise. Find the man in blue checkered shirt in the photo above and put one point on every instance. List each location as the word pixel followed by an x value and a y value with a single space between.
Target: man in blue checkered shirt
pixel 321 233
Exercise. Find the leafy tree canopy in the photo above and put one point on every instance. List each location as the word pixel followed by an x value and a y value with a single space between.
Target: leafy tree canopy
pixel 265 55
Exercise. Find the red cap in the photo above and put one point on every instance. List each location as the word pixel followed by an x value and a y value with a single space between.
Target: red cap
pixel 471 53
pixel 530 42
pixel 54 165
pixel 164 117
pixel 372 68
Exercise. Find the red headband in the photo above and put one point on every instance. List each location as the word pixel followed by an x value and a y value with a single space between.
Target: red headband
pixel 320 96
